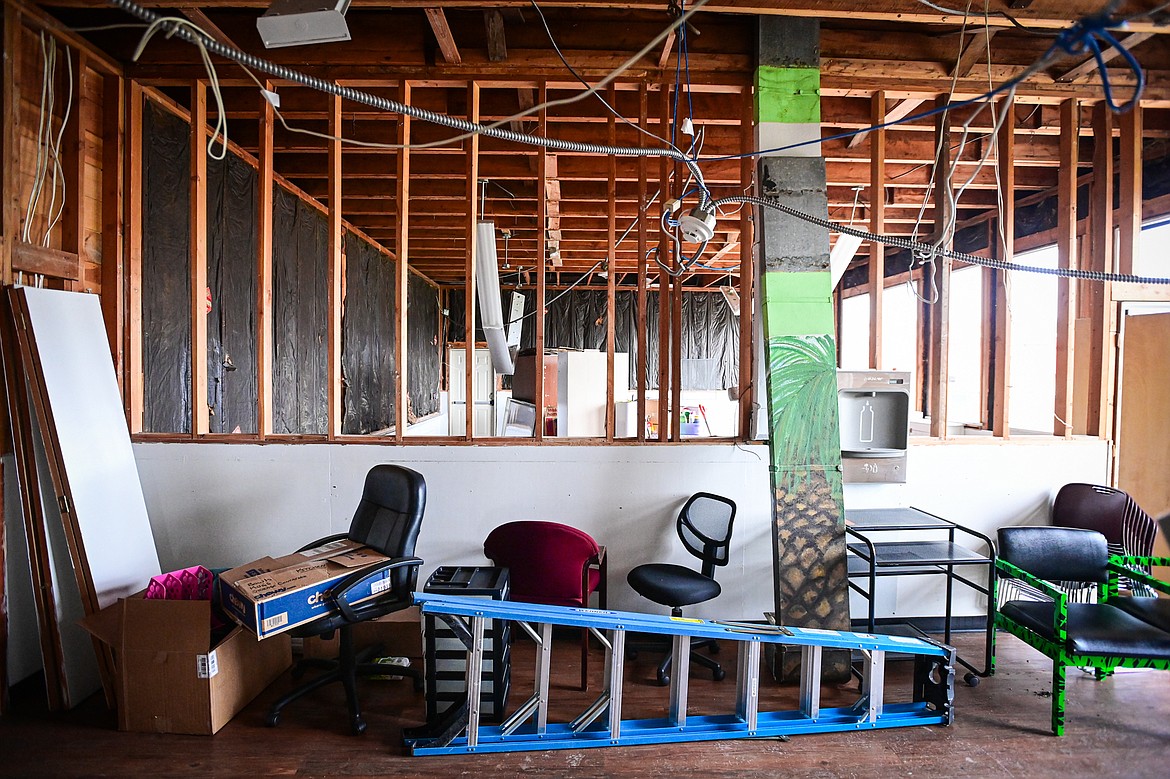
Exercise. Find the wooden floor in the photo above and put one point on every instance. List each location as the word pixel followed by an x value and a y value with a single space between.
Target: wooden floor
pixel 1118 727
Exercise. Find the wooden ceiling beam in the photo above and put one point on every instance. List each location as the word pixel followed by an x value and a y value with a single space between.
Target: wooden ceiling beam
pixel 497 45
pixel 443 36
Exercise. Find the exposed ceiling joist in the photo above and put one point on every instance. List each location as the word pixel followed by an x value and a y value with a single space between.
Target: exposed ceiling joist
pixel 900 111
pixel 442 31
pixel 497 45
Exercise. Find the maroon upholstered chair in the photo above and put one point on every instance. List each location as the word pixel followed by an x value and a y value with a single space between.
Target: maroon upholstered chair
pixel 553 564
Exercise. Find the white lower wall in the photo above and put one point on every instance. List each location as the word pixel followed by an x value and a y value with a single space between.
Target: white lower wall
pixel 222 505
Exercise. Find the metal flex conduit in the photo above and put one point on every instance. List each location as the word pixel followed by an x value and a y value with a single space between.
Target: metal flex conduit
pixel 393 106
pixel 928 250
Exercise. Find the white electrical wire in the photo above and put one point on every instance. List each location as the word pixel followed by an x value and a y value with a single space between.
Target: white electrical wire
pixel 38 174
pixel 58 170
pixel 219 131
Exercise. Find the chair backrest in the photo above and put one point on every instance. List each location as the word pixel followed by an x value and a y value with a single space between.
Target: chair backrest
pixel 704 525
pixel 1057 554
pixel 1113 513
pixel 389 516
pixel 545 560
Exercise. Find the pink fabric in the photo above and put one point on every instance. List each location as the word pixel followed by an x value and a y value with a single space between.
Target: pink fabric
pixel 545 561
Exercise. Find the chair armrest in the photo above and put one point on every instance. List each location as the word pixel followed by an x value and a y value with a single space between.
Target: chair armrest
pixel 1060 598
pixel 1139 561
pixel 1015 572
pixel 597 561
pixel 1118 566
pixel 322 541
pixel 340 592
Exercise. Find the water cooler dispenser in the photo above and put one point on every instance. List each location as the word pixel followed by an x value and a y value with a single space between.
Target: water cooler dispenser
pixel 875 424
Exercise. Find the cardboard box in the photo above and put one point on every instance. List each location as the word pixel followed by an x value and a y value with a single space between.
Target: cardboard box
pixel 399 634
pixel 168 677
pixel 269 596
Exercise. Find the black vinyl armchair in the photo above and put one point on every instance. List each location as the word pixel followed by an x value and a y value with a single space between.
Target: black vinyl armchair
pixel 388 520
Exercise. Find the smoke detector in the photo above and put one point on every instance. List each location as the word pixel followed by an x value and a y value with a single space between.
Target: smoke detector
pixel 698 226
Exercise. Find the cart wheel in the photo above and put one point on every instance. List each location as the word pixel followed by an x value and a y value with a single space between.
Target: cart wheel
pixel 972 680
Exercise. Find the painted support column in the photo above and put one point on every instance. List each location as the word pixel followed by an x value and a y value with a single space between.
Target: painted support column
pixel 811 589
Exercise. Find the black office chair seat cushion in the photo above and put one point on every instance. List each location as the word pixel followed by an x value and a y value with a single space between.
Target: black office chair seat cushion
pixel 1093 628
pixel 1153 611
pixel 672 585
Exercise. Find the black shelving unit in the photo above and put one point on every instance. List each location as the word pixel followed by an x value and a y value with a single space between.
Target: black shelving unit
pixel 870 559
pixel 446 656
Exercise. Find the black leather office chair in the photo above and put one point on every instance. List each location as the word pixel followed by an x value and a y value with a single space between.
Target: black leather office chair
pixel 704 525
pixel 387 519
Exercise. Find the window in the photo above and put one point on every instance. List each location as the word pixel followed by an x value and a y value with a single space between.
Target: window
pixel 854 346
pixel 1032 326
pixel 965 399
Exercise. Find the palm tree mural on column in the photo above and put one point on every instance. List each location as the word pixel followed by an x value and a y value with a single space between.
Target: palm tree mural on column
pixel 802 389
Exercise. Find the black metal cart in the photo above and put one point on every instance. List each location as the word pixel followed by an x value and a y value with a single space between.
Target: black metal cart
pixel 870 559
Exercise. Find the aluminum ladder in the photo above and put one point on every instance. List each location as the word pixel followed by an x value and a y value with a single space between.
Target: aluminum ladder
pixel 458 729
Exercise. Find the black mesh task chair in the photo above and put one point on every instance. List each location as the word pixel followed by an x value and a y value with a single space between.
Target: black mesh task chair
pixel 704 525
pixel 387 519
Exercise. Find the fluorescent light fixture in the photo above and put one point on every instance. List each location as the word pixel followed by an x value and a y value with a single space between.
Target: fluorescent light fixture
pixel 487 282
pixel 300 22
pixel 843 251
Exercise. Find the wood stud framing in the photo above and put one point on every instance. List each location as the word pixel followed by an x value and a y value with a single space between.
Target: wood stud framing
pixel 1066 248
pixel 473 215
pixel 747 278
pixel 939 314
pixel 402 270
pixel 122 192
pixel 1005 244
pixel 200 421
pixel 1098 296
pixel 264 327
pixel 336 268
pixel 877 225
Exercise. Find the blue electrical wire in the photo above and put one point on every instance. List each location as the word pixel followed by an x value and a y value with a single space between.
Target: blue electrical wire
pixel 1080 38
pixel 682 39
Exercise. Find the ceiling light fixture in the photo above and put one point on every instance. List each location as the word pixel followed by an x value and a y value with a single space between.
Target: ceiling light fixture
pixel 301 22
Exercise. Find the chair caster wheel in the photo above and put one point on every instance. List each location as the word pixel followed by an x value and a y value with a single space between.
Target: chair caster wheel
pixel 273 719
pixel 972 680
pixel 357 725
pixel 663 678
pixel 713 649
pixel 718 674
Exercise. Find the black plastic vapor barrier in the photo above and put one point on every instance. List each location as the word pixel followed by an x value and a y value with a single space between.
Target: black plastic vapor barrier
pixel 367 346
pixel 166 294
pixel 423 351
pixel 300 316
pixel 232 217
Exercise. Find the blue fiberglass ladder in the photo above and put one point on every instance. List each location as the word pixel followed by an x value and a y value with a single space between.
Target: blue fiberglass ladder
pixel 458 729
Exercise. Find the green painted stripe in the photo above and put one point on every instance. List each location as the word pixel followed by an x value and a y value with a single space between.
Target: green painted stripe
pixel 788 95
pixel 798 303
